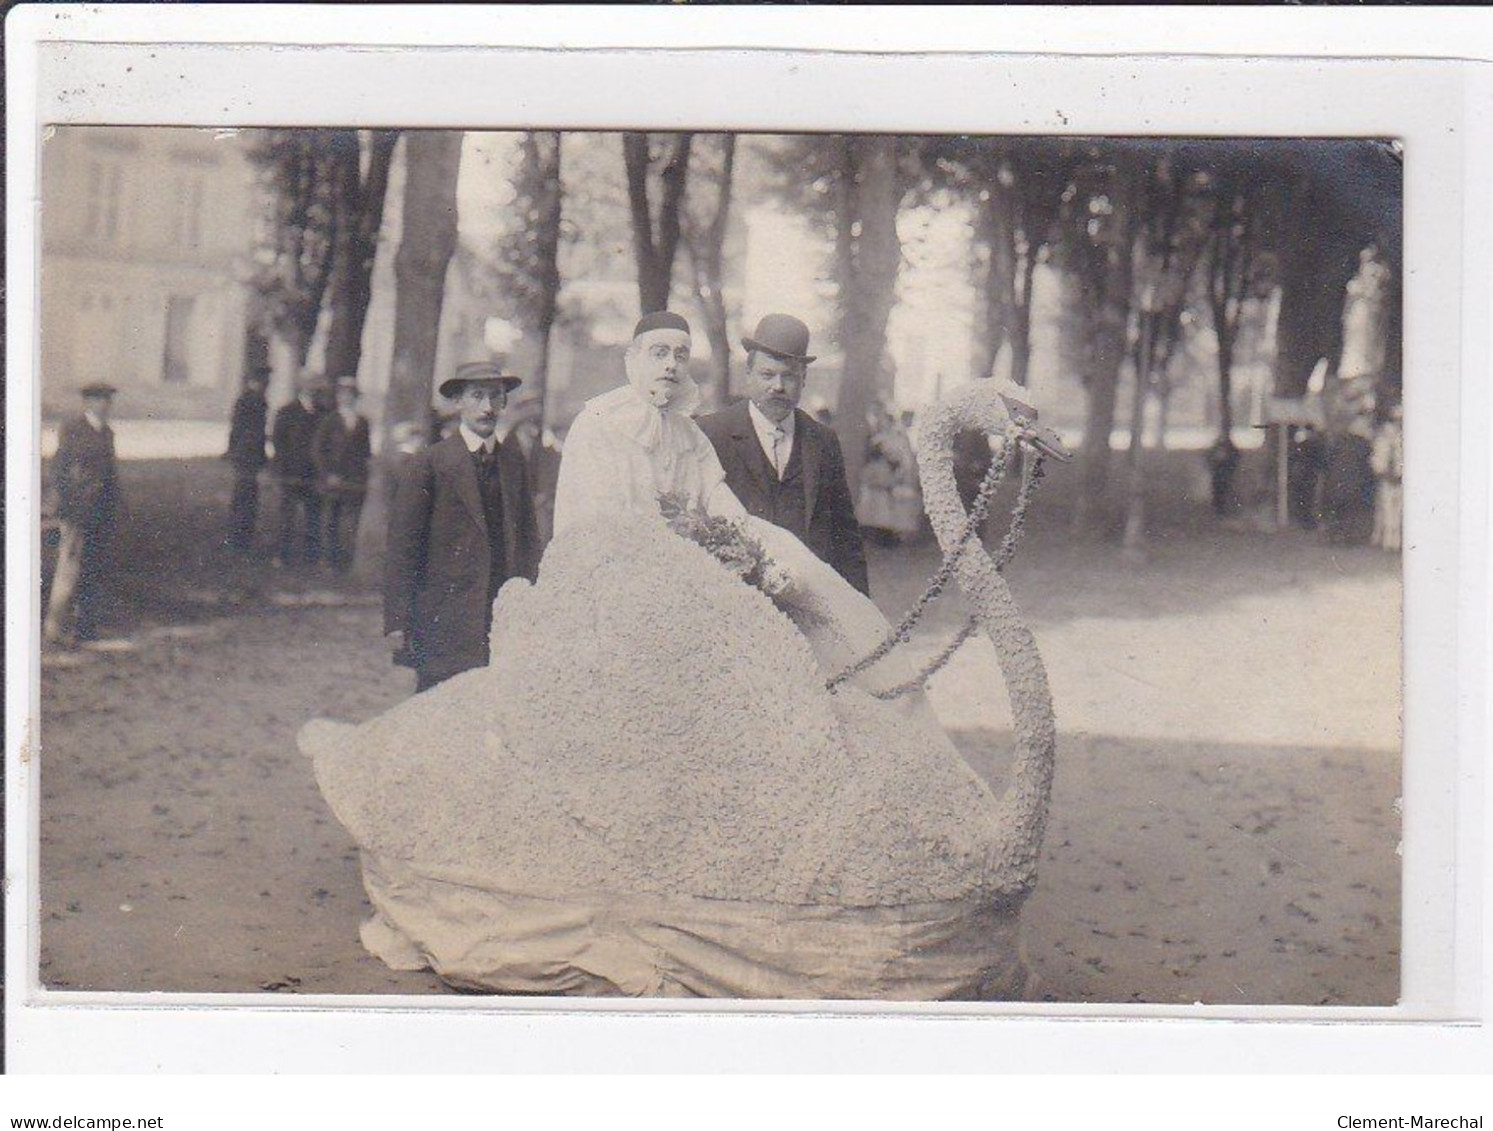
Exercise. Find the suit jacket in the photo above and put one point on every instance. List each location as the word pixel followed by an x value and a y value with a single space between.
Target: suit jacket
pixel 294 430
pixel 246 433
pixel 341 451
pixel 85 474
pixel 830 528
pixel 440 554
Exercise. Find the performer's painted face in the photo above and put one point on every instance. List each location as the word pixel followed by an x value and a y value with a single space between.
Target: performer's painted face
pixel 480 405
pixel 775 385
pixel 657 364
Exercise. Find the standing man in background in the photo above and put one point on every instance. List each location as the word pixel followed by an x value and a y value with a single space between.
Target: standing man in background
pixel 295 472
pixel 541 455
pixel 782 464
pixel 340 451
pixel 246 437
pixel 86 476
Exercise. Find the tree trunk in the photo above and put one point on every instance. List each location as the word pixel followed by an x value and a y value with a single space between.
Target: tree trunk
pixel 1133 541
pixel 359 206
pixel 1107 297
pixel 426 245
pixel 537 309
pixel 705 243
pixel 655 243
pixel 994 312
pixel 1021 321
pixel 869 291
pixel 1109 325
pixel 1225 379
pixel 713 308
pixel 1315 268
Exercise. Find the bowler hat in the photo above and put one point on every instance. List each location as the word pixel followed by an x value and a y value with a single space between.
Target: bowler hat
pixel 98 389
pixel 475 372
pixel 781 335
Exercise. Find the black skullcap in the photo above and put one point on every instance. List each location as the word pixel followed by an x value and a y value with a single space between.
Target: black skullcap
pixel 659 320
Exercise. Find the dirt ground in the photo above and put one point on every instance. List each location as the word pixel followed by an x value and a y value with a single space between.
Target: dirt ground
pixel 1223 825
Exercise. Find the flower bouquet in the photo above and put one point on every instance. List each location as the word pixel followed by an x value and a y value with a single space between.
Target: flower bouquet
pixel 728 542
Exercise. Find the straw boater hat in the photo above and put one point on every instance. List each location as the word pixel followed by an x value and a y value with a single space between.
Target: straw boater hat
pixel 783 336
pixel 475 373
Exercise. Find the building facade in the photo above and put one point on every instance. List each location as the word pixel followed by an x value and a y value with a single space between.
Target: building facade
pixel 146 241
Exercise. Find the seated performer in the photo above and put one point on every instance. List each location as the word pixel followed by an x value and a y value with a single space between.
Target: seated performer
pixel 637 442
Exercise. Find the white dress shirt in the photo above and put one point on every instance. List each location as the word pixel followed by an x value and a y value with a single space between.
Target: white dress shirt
pixel 776 439
pixel 474 441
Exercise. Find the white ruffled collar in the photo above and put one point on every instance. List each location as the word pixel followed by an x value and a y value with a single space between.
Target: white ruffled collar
pixel 628 412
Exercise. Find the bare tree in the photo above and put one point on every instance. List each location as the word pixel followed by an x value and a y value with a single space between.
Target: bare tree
pixel 705 239
pixel 358 203
pixel 655 240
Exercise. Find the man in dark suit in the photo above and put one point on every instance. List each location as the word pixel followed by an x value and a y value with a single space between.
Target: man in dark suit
pixel 294 429
pixel 340 451
pixel 87 482
pixel 246 436
pixel 461 524
pixel 781 463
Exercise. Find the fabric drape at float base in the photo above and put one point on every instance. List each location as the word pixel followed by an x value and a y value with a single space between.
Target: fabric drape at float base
pixel 679 946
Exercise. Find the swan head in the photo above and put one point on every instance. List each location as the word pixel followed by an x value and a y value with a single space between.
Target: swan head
pixel 1028 431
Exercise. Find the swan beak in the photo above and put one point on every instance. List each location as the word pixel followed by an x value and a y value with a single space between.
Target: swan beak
pixel 1046 441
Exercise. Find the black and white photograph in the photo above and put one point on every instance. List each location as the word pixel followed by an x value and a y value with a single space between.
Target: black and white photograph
pixel 706 564
pixel 548 561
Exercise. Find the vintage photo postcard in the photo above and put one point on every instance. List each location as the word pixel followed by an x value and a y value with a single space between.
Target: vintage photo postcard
pixel 481 552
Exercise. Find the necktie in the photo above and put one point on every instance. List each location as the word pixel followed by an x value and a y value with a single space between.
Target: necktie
pixel 778 437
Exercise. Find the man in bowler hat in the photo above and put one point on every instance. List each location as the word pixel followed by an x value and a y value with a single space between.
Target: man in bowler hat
pixel 462 523
pixel 87 480
pixel 782 464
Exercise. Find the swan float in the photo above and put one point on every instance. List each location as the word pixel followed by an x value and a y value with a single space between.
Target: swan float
pixel 652 791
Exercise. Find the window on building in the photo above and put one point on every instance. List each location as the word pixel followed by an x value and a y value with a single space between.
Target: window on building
pixel 105 183
pixel 175 365
pixel 191 194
